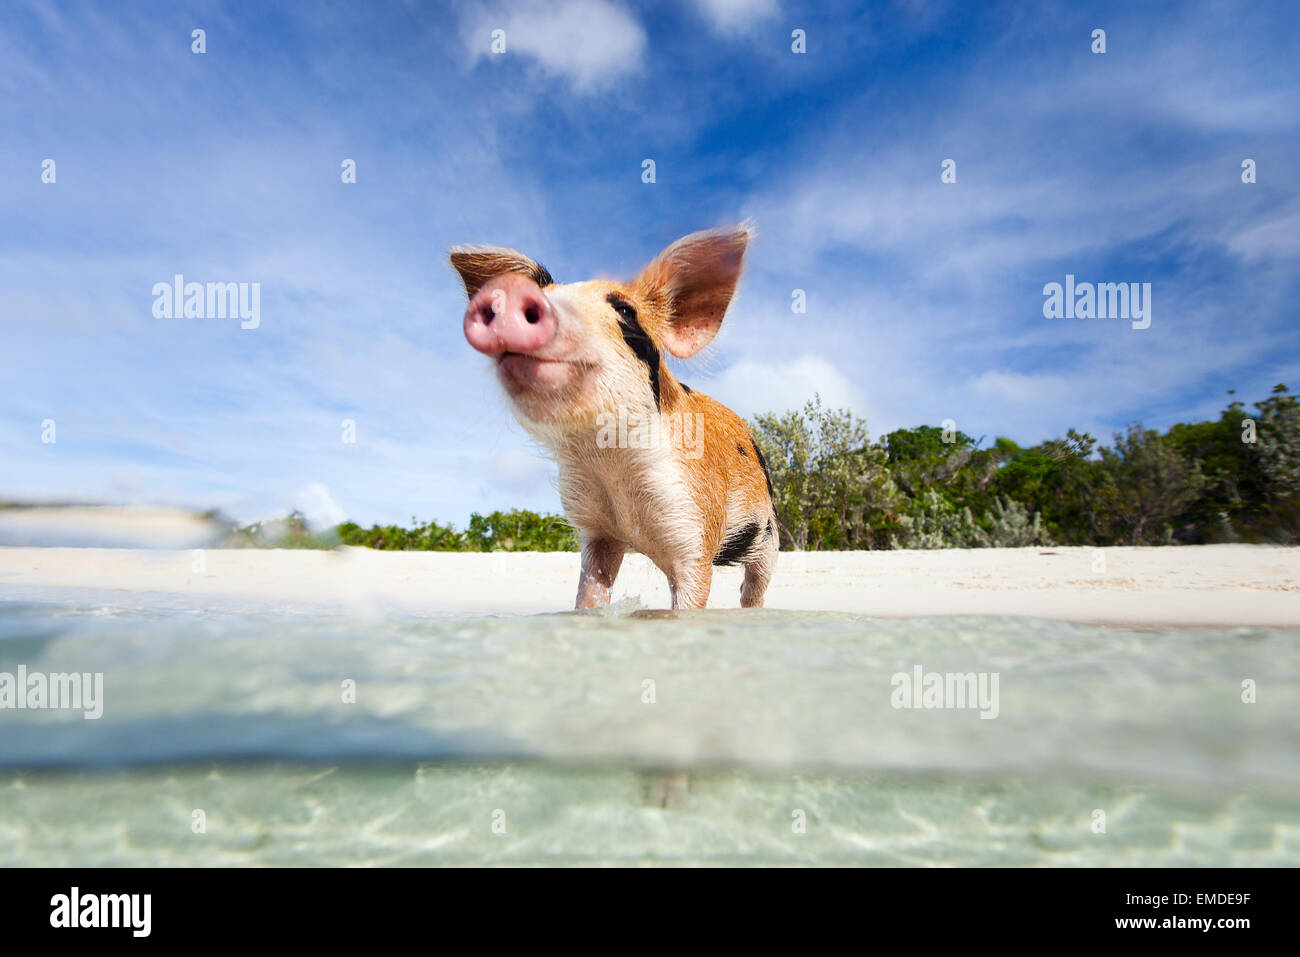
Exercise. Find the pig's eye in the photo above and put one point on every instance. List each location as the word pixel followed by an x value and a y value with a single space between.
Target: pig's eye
pixel 625 310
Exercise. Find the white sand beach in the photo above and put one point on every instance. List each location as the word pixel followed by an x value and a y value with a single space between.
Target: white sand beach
pixel 1215 585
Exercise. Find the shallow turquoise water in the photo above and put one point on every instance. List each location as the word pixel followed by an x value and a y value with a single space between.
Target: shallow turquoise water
pixel 546 739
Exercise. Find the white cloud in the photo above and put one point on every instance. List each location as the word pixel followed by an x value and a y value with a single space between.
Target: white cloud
pixel 1014 387
pixel 752 387
pixel 1277 238
pixel 318 507
pixel 737 16
pixel 587 42
pixel 519 471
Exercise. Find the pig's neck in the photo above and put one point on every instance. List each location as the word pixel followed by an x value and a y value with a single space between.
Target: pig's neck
pixel 627 492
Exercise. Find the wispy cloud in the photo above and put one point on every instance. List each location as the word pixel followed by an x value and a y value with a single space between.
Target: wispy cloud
pixel 738 16
pixel 586 42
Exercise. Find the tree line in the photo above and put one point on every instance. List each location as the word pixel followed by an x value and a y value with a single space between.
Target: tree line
pixel 1233 479
pixel 518 530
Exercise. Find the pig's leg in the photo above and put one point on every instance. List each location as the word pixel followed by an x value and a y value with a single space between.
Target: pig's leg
pixel 690 583
pixel 754 585
pixel 758 573
pixel 601 559
pixel 668 789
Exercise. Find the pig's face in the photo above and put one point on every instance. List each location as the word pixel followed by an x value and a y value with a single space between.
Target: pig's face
pixel 559 350
pixel 567 352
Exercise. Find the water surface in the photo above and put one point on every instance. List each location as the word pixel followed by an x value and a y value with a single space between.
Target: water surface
pixel 542 739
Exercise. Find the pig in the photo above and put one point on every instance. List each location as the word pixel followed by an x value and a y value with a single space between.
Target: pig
pixel 576 357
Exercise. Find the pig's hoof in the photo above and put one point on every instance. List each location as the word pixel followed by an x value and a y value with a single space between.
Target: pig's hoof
pixel 668 789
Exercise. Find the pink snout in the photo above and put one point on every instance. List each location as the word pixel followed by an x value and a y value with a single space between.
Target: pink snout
pixel 509 313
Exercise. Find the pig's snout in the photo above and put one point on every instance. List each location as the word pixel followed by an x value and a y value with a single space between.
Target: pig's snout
pixel 509 313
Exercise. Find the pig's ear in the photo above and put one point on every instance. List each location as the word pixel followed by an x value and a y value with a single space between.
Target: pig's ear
pixel 478 264
pixel 695 278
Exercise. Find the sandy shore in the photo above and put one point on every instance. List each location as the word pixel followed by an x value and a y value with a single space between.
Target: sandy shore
pixel 1221 585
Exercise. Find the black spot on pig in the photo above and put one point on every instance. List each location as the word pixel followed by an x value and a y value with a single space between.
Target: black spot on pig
pixel 637 339
pixel 540 275
pixel 741 449
pixel 737 544
pixel 758 453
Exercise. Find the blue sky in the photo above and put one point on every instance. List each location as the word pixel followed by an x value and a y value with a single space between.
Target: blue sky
pixel 924 298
